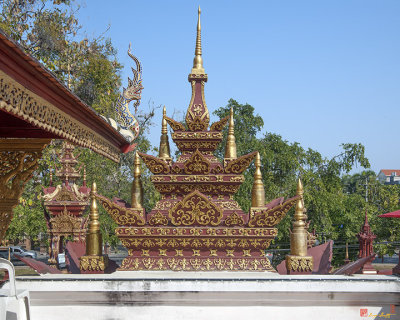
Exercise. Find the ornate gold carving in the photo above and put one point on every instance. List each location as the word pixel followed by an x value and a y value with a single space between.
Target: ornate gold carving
pixel 219 125
pixel 93 263
pixel 23 103
pixel 175 125
pixel 299 264
pixel 19 159
pixel 121 215
pixel 240 164
pixel 197 164
pixel 234 220
pixel 154 164
pixel 195 208
pixel 264 217
pixel 158 219
pixel 66 223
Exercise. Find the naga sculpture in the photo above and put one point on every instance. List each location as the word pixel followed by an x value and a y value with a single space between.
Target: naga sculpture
pixel 126 123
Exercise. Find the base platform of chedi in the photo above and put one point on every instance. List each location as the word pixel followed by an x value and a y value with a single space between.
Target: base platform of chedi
pixel 197 224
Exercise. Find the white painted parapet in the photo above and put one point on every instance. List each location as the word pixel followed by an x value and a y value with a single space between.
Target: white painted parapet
pixel 211 296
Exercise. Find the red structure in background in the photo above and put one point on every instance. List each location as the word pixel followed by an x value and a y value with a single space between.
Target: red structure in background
pixel 366 238
pixel 65 204
pixel 394 214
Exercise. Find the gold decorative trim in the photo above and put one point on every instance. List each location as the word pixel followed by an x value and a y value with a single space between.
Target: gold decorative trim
pixel 158 219
pixel 299 264
pixel 122 216
pixel 234 220
pixel 240 164
pixel 175 125
pixel 219 125
pixel 264 217
pixel 154 164
pixel 197 264
pixel 23 103
pixel 93 263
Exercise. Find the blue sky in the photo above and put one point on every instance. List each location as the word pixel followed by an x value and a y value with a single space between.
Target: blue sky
pixel 320 73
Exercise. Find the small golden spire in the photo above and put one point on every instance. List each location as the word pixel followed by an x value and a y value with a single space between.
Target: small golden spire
pixel 93 237
pixel 298 237
pixel 198 60
pixel 164 151
pixel 51 178
pixel 137 188
pixel 257 192
pixel 230 150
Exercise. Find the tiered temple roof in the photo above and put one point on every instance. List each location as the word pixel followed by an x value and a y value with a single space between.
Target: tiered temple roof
pixel 197 224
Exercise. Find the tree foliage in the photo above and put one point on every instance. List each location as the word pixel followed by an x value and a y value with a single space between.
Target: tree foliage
pixel 335 200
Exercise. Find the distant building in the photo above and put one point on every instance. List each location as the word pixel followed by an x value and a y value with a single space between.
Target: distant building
pixel 389 176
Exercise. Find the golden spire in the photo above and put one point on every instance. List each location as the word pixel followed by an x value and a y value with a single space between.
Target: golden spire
pixel 93 237
pixel 298 237
pixel 137 188
pixel 257 192
pixel 164 151
pixel 198 60
pixel 230 150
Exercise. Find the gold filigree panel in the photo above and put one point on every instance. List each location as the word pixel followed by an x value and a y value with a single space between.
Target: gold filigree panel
pixel 195 209
pixel 197 164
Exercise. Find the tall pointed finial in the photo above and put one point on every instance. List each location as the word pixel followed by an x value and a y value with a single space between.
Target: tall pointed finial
pixel 94 261
pixel 298 243
pixel 51 179
pixel 137 188
pixel 258 192
pixel 93 237
pixel 164 150
pixel 298 262
pixel 230 150
pixel 198 60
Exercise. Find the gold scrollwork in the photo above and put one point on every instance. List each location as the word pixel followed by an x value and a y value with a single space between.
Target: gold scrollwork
pixel 240 164
pixel 158 219
pixel 121 215
pixel 175 125
pixel 197 164
pixel 195 208
pixel 219 125
pixel 234 220
pixel 271 217
pixel 155 165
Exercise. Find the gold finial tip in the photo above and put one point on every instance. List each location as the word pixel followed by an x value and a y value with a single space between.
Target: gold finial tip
pixel 199 10
pixel 164 111
pixel 94 187
pixel 299 187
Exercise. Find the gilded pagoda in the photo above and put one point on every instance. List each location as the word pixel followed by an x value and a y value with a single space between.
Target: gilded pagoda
pixel 66 203
pixel 197 225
